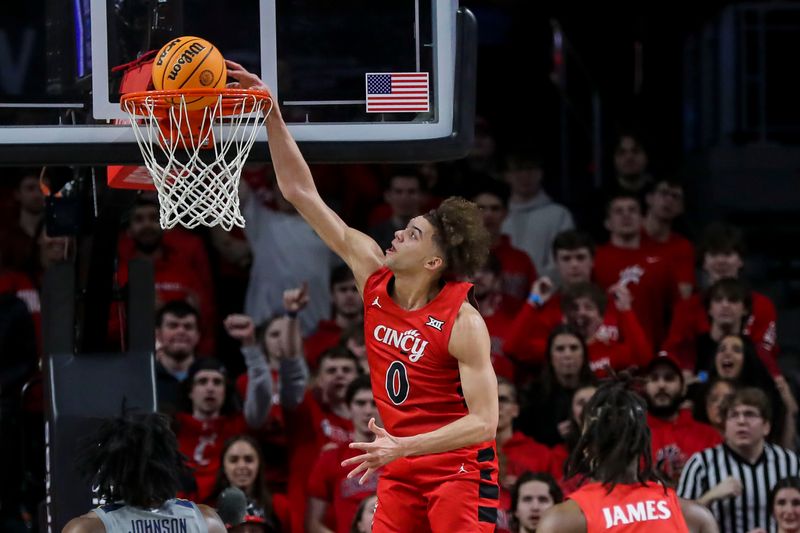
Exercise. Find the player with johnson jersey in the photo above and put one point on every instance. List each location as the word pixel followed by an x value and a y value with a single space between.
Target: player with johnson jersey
pixel 625 493
pixel 437 458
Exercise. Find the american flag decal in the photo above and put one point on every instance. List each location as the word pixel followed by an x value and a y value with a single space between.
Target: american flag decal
pixel 398 92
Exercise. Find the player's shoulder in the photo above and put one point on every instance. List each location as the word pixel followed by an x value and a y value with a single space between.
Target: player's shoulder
pixel 88 523
pixel 468 317
pixel 565 517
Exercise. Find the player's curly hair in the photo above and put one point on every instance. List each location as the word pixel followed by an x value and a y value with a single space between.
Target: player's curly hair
pixel 133 458
pixel 614 435
pixel 461 235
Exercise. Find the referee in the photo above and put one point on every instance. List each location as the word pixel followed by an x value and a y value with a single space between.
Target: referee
pixel 734 479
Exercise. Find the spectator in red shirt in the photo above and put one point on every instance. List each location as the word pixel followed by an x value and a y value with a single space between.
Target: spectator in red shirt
pixel 180 264
pixel 518 272
pixel 527 337
pixel 320 419
pixel 516 451
pixel 329 489
pixel 548 406
pixel 497 310
pixel 665 204
pixel 404 196
pixel 531 496
pixel 722 254
pixel 18 237
pixel 676 435
pixel 243 467
pixel 177 335
pixel 618 347
pixel 348 309
pixel 212 416
pixel 625 261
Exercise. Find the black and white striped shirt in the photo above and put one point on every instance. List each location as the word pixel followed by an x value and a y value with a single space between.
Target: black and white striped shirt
pixel 705 469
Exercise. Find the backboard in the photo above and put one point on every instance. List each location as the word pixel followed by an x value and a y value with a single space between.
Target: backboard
pixel 327 64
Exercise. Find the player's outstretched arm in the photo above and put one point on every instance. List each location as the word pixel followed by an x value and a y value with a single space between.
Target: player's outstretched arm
pixel 698 518
pixel 565 517
pixel 361 253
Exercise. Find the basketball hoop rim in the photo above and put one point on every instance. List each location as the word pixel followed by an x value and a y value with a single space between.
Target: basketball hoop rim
pixel 164 99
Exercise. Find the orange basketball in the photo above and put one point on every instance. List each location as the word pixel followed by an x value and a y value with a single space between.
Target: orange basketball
pixel 190 63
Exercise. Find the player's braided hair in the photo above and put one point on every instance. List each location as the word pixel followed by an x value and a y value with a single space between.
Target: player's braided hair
pixel 461 235
pixel 133 458
pixel 614 435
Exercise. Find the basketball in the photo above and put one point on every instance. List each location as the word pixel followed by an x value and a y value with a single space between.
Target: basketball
pixel 190 63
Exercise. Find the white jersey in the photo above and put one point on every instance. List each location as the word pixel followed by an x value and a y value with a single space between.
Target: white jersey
pixel 175 516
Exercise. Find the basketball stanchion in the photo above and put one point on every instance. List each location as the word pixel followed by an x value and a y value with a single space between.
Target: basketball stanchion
pixel 196 156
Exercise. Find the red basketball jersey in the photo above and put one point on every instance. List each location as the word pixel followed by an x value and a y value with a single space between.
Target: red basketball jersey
pixel 415 380
pixel 634 508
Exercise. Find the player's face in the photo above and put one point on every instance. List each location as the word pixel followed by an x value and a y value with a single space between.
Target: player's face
pixel 666 201
pixel 574 266
pixel 729 359
pixel 345 297
pixel 413 247
pixel 144 227
pixel 334 375
pixel 630 158
pixel 579 401
pixel 624 217
pixel 534 500
pixel 365 522
pixel 566 355
pixel 493 212
pixel 725 312
pixel 786 509
pixel 745 427
pixel 178 336
pixel 241 465
pixel 362 408
pixel 404 196
pixel 722 265
pixel 716 396
pixel 208 392
pixel 508 406
pixel 29 195
pixel 663 387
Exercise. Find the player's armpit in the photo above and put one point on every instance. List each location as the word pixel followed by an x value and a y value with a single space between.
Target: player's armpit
pixel 565 517
pixel 470 344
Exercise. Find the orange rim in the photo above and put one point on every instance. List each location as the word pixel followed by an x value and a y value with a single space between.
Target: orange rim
pixel 233 100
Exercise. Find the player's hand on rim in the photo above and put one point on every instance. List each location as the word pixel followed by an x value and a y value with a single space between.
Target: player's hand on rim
pixel 244 78
pixel 382 451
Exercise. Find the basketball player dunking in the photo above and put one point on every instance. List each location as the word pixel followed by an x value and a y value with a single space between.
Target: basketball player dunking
pixel 625 494
pixel 134 463
pixel 428 353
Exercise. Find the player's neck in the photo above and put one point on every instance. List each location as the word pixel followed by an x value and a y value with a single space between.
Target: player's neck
pixel 413 291
pixel 631 241
pixel 657 229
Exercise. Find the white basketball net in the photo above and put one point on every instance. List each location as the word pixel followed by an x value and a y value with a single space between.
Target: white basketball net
pixel 197 176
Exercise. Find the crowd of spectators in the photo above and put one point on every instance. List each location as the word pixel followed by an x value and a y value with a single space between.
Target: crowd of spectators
pixel 261 360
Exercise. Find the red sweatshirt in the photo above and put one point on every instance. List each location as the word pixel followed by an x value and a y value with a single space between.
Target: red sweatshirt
pixel 689 320
pixel 673 442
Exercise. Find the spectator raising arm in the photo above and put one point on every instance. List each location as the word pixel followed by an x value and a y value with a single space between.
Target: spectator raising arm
pixel 293 371
pixel 258 399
